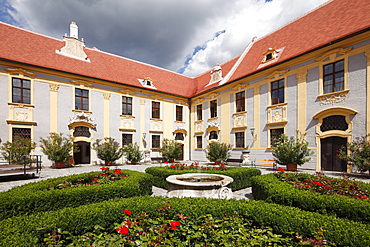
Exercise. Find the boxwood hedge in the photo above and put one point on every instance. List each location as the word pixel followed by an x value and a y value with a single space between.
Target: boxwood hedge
pixel 30 230
pixel 34 197
pixel 270 189
pixel 241 175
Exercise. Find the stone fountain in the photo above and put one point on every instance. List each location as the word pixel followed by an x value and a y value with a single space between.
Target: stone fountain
pixel 200 185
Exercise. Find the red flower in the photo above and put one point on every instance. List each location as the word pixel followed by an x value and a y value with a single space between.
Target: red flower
pixel 308 186
pixel 126 211
pixel 118 173
pixel 280 169
pixel 95 179
pixel 117 170
pixel 124 230
pixel 88 184
pixel 364 197
pixel 356 197
pixel 175 224
pixel 104 169
pixel 123 175
pixel 318 183
pixel 105 175
pixel 101 174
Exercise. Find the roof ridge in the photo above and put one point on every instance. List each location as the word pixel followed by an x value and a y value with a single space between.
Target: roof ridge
pixel 136 61
pixel 296 19
pixel 29 31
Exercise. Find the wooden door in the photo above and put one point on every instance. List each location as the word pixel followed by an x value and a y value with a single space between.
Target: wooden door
pixel 329 151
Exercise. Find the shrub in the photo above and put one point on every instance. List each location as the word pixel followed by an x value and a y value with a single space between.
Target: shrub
pixel 132 152
pixel 57 147
pixel 16 152
pixel 109 150
pixel 357 153
pixel 218 152
pixel 241 175
pixel 30 230
pixel 170 149
pixel 291 150
pixel 270 189
pixel 37 197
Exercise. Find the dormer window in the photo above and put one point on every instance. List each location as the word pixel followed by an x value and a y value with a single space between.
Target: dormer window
pixel 147 82
pixel 216 74
pixel 270 56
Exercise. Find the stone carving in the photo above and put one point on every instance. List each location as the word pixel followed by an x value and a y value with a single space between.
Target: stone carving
pixel 53 87
pixel 106 96
pixel 213 123
pixel 240 120
pixel 180 126
pixel 156 125
pixel 198 126
pixel 81 117
pixel 21 116
pixel 334 98
pixel 277 114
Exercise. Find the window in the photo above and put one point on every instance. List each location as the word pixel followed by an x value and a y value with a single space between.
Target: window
pixel 179 136
pixel 335 122
pixel 239 139
pixel 268 57
pixel 81 131
pixel 82 99
pixel 156 141
pixel 23 133
pixel 179 113
pixel 213 135
pixel 199 112
pixel 21 91
pixel 155 109
pixel 275 135
pixel 199 142
pixel 126 139
pixel 240 101
pixel 334 77
pixel 213 108
pixel 277 92
pixel 126 105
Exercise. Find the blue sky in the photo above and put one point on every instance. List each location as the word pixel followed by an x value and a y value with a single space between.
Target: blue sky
pixel 185 36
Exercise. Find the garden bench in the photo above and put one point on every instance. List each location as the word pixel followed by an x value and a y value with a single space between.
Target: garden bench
pixel 234 162
pixel 157 159
pixel 265 162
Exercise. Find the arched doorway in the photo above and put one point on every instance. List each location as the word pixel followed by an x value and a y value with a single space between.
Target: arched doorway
pixel 329 151
pixel 333 129
pixel 83 154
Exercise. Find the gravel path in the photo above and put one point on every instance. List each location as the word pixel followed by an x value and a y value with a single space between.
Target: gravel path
pixel 7 183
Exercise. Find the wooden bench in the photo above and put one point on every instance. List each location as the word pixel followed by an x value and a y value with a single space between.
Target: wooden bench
pixel 157 159
pixel 264 162
pixel 234 162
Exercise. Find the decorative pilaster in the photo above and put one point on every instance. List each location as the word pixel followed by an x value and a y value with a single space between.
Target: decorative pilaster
pixel 367 54
pixel 53 107
pixel 301 100
pixel 106 114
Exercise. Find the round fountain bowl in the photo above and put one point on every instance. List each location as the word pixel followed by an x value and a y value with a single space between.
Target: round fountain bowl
pixel 199 185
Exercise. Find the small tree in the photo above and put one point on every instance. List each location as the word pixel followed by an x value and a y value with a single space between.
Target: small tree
pixel 292 150
pixel 57 147
pixel 357 153
pixel 109 150
pixel 170 149
pixel 218 152
pixel 132 152
pixel 16 152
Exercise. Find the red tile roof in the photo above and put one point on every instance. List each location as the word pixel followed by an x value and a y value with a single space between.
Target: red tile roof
pixel 332 21
pixel 335 20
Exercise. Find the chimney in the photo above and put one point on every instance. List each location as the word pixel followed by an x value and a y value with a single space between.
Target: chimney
pixel 73 30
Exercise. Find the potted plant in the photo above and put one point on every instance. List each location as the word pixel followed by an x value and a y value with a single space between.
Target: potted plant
pixel 171 150
pixel 17 152
pixel 217 152
pixel 108 150
pixel 357 153
pixel 132 153
pixel 291 151
pixel 58 148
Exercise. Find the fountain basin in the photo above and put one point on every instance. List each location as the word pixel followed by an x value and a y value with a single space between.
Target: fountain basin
pixel 199 185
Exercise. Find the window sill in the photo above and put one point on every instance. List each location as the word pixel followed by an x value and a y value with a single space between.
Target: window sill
pixel 82 111
pixel 277 105
pixel 21 105
pixel 127 116
pixel 239 113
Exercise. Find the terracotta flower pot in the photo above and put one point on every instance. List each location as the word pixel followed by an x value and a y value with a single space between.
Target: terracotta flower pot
pixel 108 162
pixel 291 167
pixel 217 163
pixel 59 164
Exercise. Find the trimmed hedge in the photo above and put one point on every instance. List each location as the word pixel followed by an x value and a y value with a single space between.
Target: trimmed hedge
pixel 34 197
pixel 241 175
pixel 29 231
pixel 270 189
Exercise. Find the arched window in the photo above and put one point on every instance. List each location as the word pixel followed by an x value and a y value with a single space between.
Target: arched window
pixel 335 122
pixel 213 135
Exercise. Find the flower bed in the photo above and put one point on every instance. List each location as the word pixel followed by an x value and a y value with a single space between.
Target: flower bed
pixel 30 230
pixel 241 175
pixel 46 196
pixel 316 194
